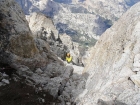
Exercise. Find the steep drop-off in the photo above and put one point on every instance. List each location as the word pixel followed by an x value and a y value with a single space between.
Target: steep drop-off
pixel 43 28
pixel 28 62
pixel 83 20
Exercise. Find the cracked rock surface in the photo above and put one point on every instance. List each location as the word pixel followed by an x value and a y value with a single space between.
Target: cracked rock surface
pixel 35 66
pixel 114 65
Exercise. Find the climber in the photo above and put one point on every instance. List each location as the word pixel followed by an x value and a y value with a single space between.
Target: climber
pixel 68 58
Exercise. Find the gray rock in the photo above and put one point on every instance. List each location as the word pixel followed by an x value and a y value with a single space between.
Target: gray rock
pixel 75 60
pixel 42 26
pixel 2 84
pixel 39 71
pixel 5 81
pixel 23 68
pixel 30 55
pixel 53 86
pixel 138 103
pixel 136 79
pixel 24 71
pixel 66 95
pixel 5 76
pixel 68 72
pixel 68 103
pixel 17 44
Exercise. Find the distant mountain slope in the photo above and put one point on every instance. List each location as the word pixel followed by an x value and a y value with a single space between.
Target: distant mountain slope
pixel 83 20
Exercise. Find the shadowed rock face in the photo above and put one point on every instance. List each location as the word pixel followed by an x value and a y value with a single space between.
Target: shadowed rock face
pixel 115 57
pixel 15 31
pixel 17 45
pixel 34 61
pixel 23 46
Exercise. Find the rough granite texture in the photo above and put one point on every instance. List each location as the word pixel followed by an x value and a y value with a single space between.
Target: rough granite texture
pixel 38 20
pixel 111 76
pixel 17 45
pixel 115 64
pixel 33 59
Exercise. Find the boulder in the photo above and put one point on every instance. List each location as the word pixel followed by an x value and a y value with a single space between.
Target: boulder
pixel 5 81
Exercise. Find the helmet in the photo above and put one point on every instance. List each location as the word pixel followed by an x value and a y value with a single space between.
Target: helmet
pixel 68 54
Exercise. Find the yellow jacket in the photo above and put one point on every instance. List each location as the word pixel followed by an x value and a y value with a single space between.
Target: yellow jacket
pixel 69 59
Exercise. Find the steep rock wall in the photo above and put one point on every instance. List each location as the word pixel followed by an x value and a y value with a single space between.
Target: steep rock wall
pixel 17 45
pixel 35 63
pixel 114 66
pixel 39 20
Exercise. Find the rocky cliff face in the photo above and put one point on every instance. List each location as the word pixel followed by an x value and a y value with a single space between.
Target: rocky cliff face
pixel 43 28
pixel 16 37
pixel 17 45
pixel 111 76
pixel 114 66
pixel 38 22
pixel 34 61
